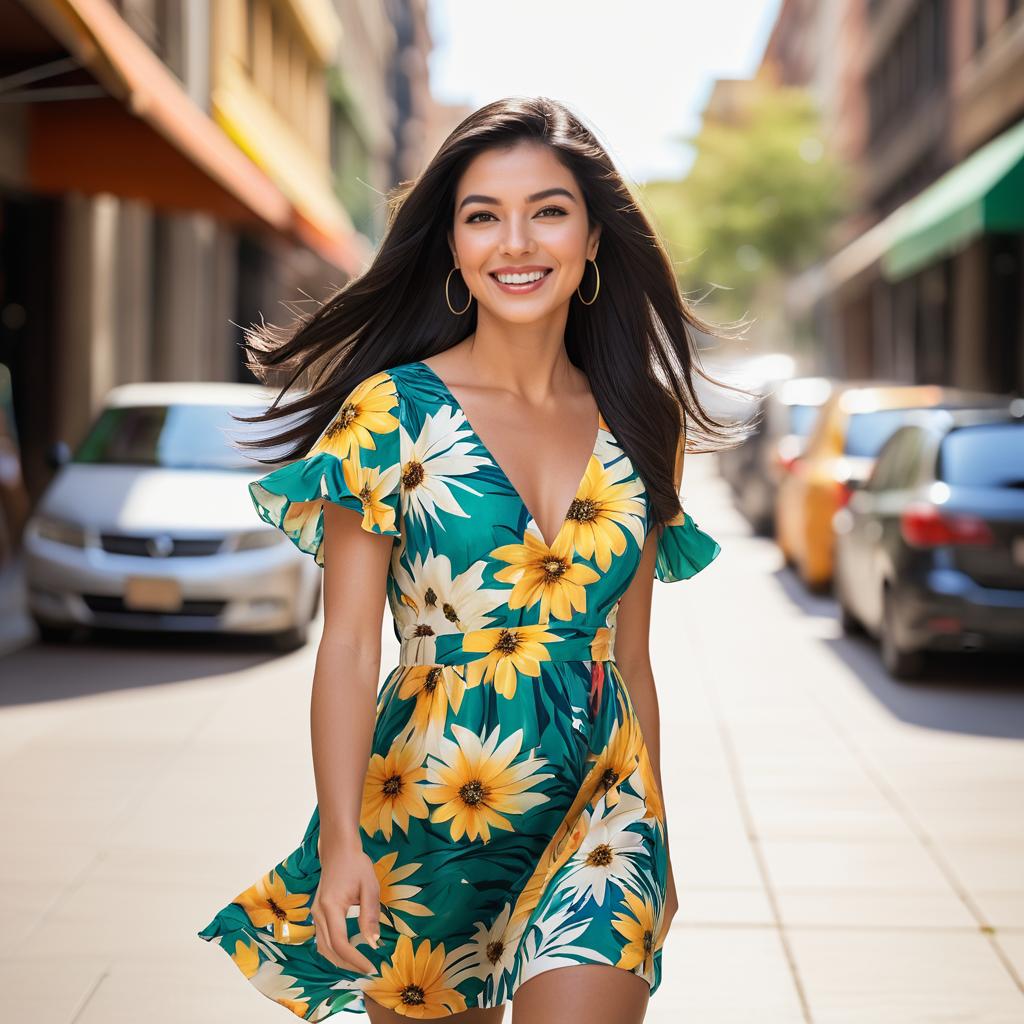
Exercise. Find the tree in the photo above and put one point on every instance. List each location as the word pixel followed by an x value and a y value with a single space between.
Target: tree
pixel 758 202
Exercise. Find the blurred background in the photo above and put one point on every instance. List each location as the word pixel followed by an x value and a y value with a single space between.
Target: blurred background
pixel 847 175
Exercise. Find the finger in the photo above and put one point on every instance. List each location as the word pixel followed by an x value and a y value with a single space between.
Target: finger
pixel 355 961
pixel 323 937
pixel 369 911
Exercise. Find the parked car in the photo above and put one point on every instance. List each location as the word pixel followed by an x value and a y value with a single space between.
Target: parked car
pixel 850 430
pixel 786 417
pixel 930 553
pixel 755 378
pixel 150 526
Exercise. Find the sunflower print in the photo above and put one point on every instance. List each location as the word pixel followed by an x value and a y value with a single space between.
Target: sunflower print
pixel 509 805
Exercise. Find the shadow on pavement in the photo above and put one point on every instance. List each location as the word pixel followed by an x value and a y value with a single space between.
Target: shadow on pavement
pixel 107 662
pixel 972 693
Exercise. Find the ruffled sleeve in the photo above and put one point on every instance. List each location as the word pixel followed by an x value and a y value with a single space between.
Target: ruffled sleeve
pixel 683 550
pixel 356 463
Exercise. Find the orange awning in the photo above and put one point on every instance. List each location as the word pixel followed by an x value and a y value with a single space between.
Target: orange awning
pixel 151 141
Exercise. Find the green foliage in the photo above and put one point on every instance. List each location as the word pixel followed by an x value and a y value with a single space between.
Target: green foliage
pixel 758 202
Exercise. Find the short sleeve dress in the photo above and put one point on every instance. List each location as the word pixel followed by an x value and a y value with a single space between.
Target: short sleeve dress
pixel 509 808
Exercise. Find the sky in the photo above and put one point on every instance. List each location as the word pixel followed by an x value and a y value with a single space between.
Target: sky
pixel 638 74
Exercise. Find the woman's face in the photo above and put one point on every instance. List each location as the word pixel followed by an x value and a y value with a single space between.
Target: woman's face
pixel 520 211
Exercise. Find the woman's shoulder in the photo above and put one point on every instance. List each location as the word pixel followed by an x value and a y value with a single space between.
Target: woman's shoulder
pixel 415 387
pixel 391 386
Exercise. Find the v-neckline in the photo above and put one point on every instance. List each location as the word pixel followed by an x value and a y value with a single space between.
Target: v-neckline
pixel 501 469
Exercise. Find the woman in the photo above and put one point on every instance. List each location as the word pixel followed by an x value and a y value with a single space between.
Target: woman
pixel 514 424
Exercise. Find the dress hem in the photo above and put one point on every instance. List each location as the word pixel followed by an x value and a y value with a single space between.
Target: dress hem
pixel 357 1003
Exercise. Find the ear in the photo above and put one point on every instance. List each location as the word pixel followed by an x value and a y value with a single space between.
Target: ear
pixel 592 240
pixel 451 245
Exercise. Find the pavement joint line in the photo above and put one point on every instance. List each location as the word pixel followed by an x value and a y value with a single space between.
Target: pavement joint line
pixel 129 804
pixel 876 774
pixel 725 738
pixel 87 998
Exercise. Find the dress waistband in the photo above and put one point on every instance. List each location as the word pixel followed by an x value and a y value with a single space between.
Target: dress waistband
pixel 550 642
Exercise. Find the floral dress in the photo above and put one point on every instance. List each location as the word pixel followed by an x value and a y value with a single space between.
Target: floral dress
pixel 510 809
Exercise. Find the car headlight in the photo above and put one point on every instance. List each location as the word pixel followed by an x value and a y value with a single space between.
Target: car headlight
pixel 259 539
pixel 60 531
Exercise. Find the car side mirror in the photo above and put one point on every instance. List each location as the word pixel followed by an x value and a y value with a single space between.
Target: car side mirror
pixel 58 454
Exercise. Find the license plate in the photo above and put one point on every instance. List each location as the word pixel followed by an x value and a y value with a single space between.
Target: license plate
pixel 1018 551
pixel 152 595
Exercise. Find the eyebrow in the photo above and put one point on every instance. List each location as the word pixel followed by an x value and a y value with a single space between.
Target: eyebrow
pixel 536 197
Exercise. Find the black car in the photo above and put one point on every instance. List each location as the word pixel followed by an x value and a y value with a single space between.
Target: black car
pixel 930 551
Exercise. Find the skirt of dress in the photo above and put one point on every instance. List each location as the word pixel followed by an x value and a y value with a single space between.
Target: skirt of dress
pixel 515 826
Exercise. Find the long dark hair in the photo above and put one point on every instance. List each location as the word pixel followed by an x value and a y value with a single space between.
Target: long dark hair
pixel 634 344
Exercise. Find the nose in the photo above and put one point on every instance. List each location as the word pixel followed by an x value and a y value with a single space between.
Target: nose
pixel 517 237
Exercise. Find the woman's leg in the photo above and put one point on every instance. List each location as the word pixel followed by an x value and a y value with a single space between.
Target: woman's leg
pixel 382 1015
pixel 599 993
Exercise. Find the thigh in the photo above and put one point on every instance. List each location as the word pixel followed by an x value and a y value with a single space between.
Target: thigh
pixel 382 1015
pixel 596 992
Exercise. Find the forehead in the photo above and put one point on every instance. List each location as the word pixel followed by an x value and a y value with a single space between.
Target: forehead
pixel 514 173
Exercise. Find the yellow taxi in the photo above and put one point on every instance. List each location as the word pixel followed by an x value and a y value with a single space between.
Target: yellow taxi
pixel 849 432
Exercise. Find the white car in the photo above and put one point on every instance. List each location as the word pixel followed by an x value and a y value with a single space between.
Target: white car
pixel 150 525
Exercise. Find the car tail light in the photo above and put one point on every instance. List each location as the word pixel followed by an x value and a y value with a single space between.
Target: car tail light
pixel 843 494
pixel 785 462
pixel 924 526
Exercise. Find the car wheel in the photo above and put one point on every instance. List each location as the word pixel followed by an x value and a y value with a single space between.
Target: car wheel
pixel 899 662
pixel 849 623
pixel 50 634
pixel 290 639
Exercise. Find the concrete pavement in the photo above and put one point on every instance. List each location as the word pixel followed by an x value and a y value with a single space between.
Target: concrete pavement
pixel 848 849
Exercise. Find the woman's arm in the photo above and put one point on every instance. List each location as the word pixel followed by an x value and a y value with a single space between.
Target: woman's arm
pixel 633 659
pixel 632 652
pixel 342 716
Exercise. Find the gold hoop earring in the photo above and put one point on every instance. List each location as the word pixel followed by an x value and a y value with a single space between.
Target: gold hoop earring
pixel 596 290
pixel 457 312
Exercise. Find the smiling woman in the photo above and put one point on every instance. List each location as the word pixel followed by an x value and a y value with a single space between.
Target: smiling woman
pixel 490 825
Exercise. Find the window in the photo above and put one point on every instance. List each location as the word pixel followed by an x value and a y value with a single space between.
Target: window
pixel 984 455
pixel 801 419
pixel 897 467
pixel 172 436
pixel 868 431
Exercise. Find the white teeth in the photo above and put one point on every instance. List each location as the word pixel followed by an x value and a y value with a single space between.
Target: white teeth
pixel 520 278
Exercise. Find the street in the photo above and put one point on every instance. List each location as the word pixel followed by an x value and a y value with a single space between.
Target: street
pixel 847 848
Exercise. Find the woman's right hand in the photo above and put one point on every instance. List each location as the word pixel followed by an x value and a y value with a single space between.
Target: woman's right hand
pixel 347 878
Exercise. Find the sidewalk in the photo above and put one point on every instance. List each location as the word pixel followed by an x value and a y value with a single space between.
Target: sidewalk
pixel 847 849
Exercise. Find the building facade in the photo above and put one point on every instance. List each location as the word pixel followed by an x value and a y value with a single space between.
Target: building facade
pixel 926 277
pixel 172 171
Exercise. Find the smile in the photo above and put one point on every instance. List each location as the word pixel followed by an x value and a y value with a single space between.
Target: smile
pixel 517 284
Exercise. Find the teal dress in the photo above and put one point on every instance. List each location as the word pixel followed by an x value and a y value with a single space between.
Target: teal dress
pixel 509 808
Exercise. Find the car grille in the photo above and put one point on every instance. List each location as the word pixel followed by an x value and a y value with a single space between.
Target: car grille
pixel 149 547
pixel 101 603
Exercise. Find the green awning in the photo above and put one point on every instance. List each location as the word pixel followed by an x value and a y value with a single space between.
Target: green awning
pixel 983 194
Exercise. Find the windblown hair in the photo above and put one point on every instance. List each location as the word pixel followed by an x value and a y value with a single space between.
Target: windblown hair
pixel 634 344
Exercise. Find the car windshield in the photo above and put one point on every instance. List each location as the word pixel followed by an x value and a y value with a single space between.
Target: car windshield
pixel 801 419
pixel 170 436
pixel 868 431
pixel 983 455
